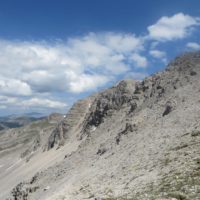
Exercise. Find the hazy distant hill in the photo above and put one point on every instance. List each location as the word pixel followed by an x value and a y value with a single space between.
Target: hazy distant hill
pixel 14 121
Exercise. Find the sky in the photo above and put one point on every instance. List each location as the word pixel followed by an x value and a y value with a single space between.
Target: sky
pixel 54 52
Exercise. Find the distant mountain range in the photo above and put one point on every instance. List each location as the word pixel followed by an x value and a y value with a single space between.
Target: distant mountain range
pixel 15 121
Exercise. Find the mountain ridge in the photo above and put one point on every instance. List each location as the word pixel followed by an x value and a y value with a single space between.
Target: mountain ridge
pixel 136 140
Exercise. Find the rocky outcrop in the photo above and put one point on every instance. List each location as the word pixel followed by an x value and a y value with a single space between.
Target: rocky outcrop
pixel 55 117
pixel 73 120
pixel 88 114
pixel 109 101
pixel 24 189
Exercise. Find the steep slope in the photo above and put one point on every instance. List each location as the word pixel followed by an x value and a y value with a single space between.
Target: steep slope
pixel 18 146
pixel 136 140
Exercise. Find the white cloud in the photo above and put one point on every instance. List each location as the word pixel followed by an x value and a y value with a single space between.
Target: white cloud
pixel 48 80
pixel 193 46
pixel 3 106
pixel 84 82
pixel 154 44
pixel 158 54
pixel 77 65
pixel 31 71
pixel 92 60
pixel 123 42
pixel 8 100
pixel 36 102
pixel 175 27
pixel 39 104
pixel 140 61
pixel 136 75
pixel 14 87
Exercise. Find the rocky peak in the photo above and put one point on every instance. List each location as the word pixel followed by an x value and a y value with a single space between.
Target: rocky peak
pixel 185 64
pixel 72 121
pixel 134 95
pixel 55 117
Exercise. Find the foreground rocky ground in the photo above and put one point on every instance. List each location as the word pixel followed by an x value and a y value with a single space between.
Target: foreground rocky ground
pixel 136 140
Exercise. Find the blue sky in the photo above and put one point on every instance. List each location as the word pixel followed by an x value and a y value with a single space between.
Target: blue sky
pixel 53 52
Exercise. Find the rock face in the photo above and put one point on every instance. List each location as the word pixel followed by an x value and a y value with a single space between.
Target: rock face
pixel 55 117
pixel 71 122
pixel 136 140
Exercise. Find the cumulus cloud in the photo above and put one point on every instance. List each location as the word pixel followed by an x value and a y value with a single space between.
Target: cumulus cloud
pixel 136 75
pixel 140 61
pixel 84 82
pixel 76 65
pixel 3 106
pixel 123 42
pixel 158 54
pixel 21 104
pixel 5 100
pixel 38 102
pixel 34 72
pixel 193 46
pixel 175 27
pixel 89 62
pixel 14 87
